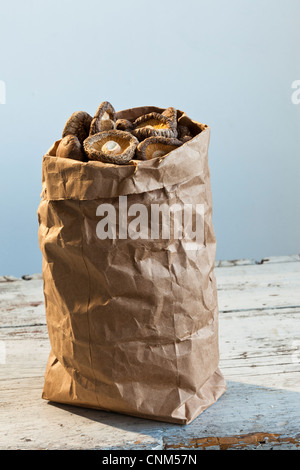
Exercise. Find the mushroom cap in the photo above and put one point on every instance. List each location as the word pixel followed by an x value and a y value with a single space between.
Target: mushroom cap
pixel 171 113
pixel 111 147
pixel 70 147
pixel 78 124
pixel 183 131
pixel 104 118
pixel 124 125
pixel 154 147
pixel 153 124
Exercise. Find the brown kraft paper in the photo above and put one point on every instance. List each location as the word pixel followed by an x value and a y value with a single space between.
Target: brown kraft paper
pixel 133 323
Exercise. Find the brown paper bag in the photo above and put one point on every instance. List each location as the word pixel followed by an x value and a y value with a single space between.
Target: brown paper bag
pixel 133 322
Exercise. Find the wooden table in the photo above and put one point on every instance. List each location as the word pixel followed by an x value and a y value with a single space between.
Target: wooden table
pixel 260 358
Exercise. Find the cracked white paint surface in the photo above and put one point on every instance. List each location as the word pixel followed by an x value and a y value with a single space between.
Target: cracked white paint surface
pixel 260 359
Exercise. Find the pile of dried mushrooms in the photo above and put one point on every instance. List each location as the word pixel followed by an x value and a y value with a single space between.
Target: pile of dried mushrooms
pixel 110 140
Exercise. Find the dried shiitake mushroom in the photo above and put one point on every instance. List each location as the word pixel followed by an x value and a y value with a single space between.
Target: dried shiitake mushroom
pixel 154 124
pixel 78 124
pixel 104 119
pixel 184 133
pixel 171 113
pixel 153 147
pixel 70 147
pixel 111 147
pixel 124 125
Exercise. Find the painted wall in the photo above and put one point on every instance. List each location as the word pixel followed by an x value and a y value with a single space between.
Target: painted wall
pixel 229 64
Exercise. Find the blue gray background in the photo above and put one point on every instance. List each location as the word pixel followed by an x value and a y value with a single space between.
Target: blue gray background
pixel 228 64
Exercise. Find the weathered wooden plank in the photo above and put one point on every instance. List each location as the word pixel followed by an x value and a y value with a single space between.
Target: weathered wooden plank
pixel 262 347
pixel 260 358
pixel 254 287
pixel 33 423
pixel 22 303
pixel 281 259
pixel 27 351
pixel 243 412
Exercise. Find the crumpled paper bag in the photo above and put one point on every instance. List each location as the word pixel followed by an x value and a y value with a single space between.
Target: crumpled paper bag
pixel 133 323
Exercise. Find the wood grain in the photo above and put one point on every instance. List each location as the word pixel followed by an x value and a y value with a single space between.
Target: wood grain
pixel 259 356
